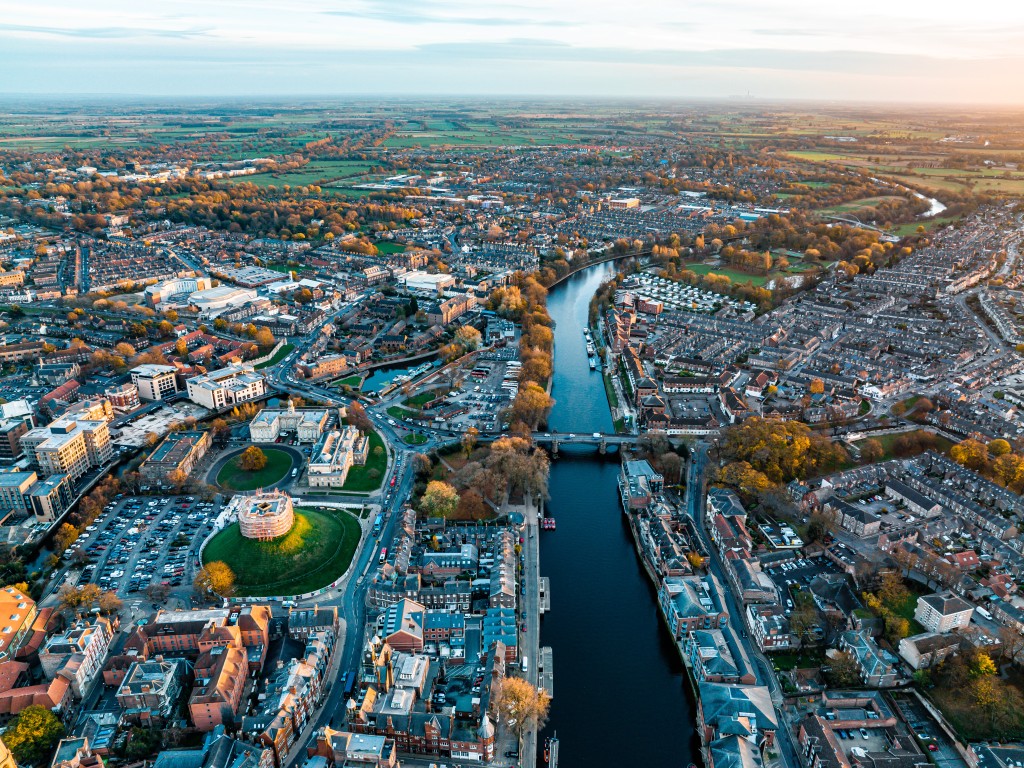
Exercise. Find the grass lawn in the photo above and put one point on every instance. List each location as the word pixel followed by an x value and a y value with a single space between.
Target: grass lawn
pixel 316 551
pixel 856 206
pixel 418 401
pixel 805 659
pixel 737 277
pixel 398 412
pixel 234 478
pixel 609 390
pixel 414 438
pixel 369 476
pixel 888 441
pixel 281 354
pixel 351 381
pixel 388 247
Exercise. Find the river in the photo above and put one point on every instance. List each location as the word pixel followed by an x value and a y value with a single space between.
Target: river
pixel 620 693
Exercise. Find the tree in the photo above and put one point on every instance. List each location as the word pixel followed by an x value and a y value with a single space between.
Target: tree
pixel 265 338
pixel 521 706
pixel 215 578
pixel 158 592
pixel 472 506
pixel 32 735
pixel 531 405
pixel 64 538
pixel 439 499
pixel 971 453
pixel 142 743
pixel 843 670
pixel 252 459
pixel 110 603
pixel 816 387
pixel 357 417
pixel 468 338
pixel 469 440
pixel 998 447
pixel 177 478
pixel 671 465
pixel 871 450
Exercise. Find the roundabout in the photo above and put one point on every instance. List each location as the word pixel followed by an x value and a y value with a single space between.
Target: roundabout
pixel 313 554
pixel 228 474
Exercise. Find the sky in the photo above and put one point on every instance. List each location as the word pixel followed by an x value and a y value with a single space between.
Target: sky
pixel 859 50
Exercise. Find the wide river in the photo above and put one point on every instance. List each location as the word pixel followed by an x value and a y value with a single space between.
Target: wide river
pixel 620 693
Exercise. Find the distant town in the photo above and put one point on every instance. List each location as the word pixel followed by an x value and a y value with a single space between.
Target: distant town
pixel 329 434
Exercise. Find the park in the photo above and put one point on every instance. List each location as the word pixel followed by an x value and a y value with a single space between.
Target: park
pixel 314 553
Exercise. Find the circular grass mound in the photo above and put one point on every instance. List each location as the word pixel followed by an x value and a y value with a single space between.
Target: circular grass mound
pixel 234 478
pixel 315 552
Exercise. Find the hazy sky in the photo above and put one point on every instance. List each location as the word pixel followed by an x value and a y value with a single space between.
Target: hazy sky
pixel 817 49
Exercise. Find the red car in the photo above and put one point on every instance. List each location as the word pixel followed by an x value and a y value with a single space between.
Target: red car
pixel 933 747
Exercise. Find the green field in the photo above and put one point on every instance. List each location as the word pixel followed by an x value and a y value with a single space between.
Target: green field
pixel 888 441
pixel 316 551
pixel 369 476
pixel 351 381
pixel 856 206
pixel 234 478
pixel 318 172
pixel 733 274
pixel 280 355
pixel 414 438
pixel 388 247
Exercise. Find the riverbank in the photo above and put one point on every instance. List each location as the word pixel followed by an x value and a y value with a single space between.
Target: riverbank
pixel 603 626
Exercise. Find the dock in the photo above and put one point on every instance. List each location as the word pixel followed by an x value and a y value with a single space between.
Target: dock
pixel 546 671
pixel 545 595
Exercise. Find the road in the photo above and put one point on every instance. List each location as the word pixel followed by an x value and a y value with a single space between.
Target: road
pixel 695 502
pixel 530 637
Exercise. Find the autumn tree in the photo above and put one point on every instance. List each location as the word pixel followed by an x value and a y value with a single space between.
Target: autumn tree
pixel 215 578
pixel 521 706
pixel 358 418
pixel 64 538
pixel 468 338
pixel 472 506
pixel 971 453
pixel 531 405
pixel 33 734
pixel 109 603
pixel 252 459
pixel 817 387
pixel 871 451
pixel 469 440
pixel 265 338
pixel 439 499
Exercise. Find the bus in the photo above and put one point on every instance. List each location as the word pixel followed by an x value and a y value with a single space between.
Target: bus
pixel 392 481
pixel 383 556
pixel 349 681
pixel 378 521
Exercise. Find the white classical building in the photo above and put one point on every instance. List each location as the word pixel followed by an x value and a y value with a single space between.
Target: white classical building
pixel 264 515
pixel 334 455
pixel 270 423
pixel 226 387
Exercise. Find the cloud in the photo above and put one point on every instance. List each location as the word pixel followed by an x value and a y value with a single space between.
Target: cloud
pixel 106 33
